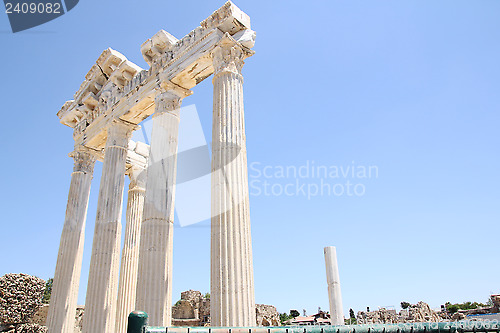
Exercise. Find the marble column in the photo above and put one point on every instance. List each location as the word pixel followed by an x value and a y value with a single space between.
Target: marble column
pixel 333 280
pixel 154 285
pixel 232 284
pixel 102 289
pixel 130 252
pixel 62 310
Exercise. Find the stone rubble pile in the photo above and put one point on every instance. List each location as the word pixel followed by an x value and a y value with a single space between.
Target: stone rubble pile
pixel 457 316
pixel 193 309
pixel 422 312
pixel 80 309
pixel 20 297
pixel 381 316
pixel 496 302
pixel 199 302
pixel 416 313
pixel 40 317
pixel 267 315
pixel 31 328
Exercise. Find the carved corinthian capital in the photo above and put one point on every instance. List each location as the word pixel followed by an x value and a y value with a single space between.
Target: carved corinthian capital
pixel 137 177
pixel 84 161
pixel 119 133
pixel 228 58
pixel 167 102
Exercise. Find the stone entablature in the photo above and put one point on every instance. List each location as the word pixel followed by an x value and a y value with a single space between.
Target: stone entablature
pixel 117 88
pixel 137 155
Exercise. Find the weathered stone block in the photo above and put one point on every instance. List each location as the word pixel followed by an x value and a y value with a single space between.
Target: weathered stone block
pixel 228 18
pixel 154 47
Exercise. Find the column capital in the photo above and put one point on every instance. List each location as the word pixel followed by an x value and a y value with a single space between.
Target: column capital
pixel 166 102
pixel 169 96
pixel 167 86
pixel 119 133
pixel 229 55
pixel 84 161
pixel 137 177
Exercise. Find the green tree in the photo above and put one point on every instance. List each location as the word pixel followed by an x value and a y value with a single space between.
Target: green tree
pixel 350 321
pixel 284 317
pixel 405 305
pixel 48 291
pixel 294 313
pixel 207 296
pixel 352 318
pixel 452 308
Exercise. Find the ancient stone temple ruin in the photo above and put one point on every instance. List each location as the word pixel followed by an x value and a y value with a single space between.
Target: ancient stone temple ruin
pixel 193 309
pixel 114 98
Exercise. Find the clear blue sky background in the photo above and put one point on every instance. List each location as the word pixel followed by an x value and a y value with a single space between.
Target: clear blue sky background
pixel 409 86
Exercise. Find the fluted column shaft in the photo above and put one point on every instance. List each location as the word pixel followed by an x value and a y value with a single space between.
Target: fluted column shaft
pixel 232 284
pixel 154 286
pixel 130 252
pixel 100 304
pixel 333 280
pixel 62 310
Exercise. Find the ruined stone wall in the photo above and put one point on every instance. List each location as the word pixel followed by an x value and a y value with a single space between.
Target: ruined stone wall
pixel 496 302
pixel 193 309
pixel 40 317
pixel 30 328
pixel 267 315
pixel 183 310
pixel 417 313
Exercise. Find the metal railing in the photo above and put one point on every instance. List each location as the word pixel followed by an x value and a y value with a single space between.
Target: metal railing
pixel 137 323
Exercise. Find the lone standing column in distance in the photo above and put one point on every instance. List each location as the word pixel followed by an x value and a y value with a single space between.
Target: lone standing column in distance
pixel 333 280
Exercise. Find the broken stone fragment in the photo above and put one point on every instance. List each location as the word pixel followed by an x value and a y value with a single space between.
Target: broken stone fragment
pixel 124 73
pixel 245 37
pixel 228 18
pixel 154 47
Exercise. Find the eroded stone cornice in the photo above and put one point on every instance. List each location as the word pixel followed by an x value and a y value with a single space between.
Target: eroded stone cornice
pixel 117 88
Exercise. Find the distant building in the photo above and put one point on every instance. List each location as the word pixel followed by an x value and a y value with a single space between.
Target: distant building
pixel 485 313
pixel 320 318
pixel 485 316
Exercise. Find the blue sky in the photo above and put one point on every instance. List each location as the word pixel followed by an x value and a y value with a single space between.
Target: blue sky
pixel 410 87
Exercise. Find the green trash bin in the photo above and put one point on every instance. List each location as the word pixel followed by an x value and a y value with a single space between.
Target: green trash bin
pixel 137 322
